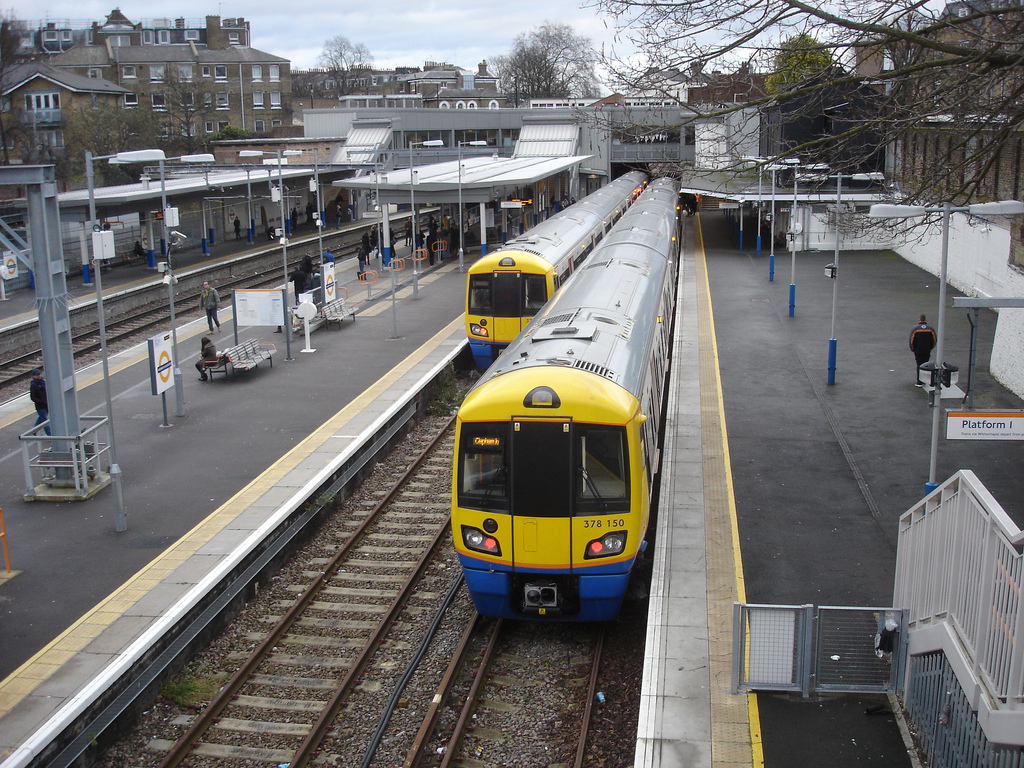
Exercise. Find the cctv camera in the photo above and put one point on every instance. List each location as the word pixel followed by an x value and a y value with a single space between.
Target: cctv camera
pixel 178 235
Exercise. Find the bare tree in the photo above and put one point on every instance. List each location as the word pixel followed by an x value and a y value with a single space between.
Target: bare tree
pixel 104 130
pixel 943 87
pixel 345 63
pixel 187 104
pixel 12 129
pixel 550 61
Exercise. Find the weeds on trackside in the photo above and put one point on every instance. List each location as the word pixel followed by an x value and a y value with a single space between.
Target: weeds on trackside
pixel 190 691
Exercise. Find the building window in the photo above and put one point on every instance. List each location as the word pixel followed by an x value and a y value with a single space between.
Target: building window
pixel 275 99
pixel 185 73
pixel 209 126
pixel 257 71
pixel 257 99
pixel 191 34
pixel 220 72
pixel 471 105
pixel 493 104
pixel 222 100
pixel 131 99
pixel 275 72
pixel 159 101
pixel 163 36
pixel 188 99
pixel 119 41
pixel 276 123
pixel 206 70
pixel 156 72
pixel 233 38
pixel 95 73
pixel 128 70
pixel 147 37
pixel 222 124
pixel 444 105
pixel 259 126
pixel 50 36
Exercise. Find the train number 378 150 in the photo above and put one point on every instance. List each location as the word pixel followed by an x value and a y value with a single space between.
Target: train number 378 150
pixel 601 523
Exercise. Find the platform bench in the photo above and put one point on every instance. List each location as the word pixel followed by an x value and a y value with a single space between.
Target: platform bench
pixel 336 311
pixel 242 357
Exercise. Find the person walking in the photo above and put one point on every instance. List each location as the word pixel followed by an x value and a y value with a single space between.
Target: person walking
pixel 298 280
pixel 922 341
pixel 207 354
pixel 362 257
pixel 209 300
pixel 37 394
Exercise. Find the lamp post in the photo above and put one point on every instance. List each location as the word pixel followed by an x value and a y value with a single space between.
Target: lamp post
pixel 149 155
pixel 319 218
pixel 462 232
pixel 120 515
pixel 834 273
pixel 760 175
pixel 793 231
pixel 285 326
pixel 887 211
pixel 774 168
pixel 412 207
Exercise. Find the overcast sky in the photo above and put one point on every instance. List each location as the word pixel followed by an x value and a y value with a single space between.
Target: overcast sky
pixel 402 33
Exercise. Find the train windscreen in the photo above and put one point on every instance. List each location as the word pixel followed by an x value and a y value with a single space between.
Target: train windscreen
pixel 480 295
pixel 483 479
pixel 602 471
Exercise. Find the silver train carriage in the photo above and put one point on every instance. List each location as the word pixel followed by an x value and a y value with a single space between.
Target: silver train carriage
pixel 507 287
pixel 557 444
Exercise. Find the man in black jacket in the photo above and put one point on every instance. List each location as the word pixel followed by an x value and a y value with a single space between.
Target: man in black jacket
pixel 37 393
pixel 922 341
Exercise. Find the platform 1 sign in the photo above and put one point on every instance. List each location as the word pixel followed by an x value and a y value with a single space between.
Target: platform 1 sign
pixel 985 425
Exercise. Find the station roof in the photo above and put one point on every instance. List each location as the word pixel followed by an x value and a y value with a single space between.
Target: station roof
pixel 124 197
pixel 483 178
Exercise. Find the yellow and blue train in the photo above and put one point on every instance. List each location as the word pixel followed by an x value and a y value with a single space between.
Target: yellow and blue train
pixel 506 288
pixel 557 444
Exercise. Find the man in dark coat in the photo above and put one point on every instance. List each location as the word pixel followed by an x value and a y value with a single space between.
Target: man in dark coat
pixel 922 341
pixel 37 394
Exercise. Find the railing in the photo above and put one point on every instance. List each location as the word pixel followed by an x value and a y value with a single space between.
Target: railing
pixel 42 116
pixel 65 461
pixel 960 573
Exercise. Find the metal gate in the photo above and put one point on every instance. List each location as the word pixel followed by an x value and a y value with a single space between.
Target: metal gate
pixel 826 648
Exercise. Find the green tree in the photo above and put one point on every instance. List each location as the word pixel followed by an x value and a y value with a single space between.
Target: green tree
pixel 105 130
pixel 231 132
pixel 12 129
pixel 549 61
pixel 800 58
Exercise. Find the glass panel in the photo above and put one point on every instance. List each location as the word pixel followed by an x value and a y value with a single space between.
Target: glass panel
pixel 483 478
pixel 541 463
pixel 534 294
pixel 602 483
pixel 480 295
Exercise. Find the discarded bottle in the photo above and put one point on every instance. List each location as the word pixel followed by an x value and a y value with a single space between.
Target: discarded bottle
pixel 600 697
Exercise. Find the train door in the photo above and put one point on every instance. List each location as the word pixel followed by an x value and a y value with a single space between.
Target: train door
pixel 541 493
pixel 506 292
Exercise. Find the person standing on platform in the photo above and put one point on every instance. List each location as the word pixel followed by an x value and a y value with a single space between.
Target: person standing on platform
pixel 294 218
pixel 362 257
pixel 298 279
pixel 309 212
pixel 922 341
pixel 209 300
pixel 238 228
pixel 408 231
pixel 37 394
pixel 207 354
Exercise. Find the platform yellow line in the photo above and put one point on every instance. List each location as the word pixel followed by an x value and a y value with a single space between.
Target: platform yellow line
pixel 48 659
pixel 735 720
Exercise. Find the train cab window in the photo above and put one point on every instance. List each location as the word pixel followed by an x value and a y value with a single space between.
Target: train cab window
pixel 535 294
pixel 483 479
pixel 480 295
pixel 602 473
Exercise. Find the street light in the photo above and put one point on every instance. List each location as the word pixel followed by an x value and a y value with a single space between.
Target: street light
pixel 834 273
pixel 412 206
pixel 774 167
pixel 286 326
pixel 793 231
pixel 889 211
pixel 760 174
pixel 462 232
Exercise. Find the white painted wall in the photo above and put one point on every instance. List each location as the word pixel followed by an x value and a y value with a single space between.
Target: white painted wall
pixel 978 265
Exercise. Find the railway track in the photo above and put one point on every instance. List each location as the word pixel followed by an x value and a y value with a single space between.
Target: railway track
pixel 326 656
pixel 135 324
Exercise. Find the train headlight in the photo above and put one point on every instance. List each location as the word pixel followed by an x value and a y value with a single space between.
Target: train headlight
pixel 478 541
pixel 607 546
pixel 478 330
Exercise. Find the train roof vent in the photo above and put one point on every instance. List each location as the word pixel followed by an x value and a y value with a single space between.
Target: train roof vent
pixel 558 319
pixel 585 331
pixel 627 329
pixel 600 370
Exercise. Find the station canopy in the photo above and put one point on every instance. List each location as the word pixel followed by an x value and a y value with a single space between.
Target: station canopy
pixel 483 179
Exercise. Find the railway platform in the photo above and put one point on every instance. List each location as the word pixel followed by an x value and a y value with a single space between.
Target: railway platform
pixel 780 489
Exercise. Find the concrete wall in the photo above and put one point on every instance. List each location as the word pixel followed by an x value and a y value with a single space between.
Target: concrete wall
pixel 978 265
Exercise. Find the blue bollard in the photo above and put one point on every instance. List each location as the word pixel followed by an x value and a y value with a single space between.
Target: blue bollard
pixel 771 268
pixel 210 236
pixel 206 246
pixel 831 361
pixel 792 299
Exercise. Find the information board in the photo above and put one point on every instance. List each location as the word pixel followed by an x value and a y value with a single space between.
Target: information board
pixel 254 307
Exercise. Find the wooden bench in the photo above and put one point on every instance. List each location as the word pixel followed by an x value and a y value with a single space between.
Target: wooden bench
pixel 336 311
pixel 244 357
